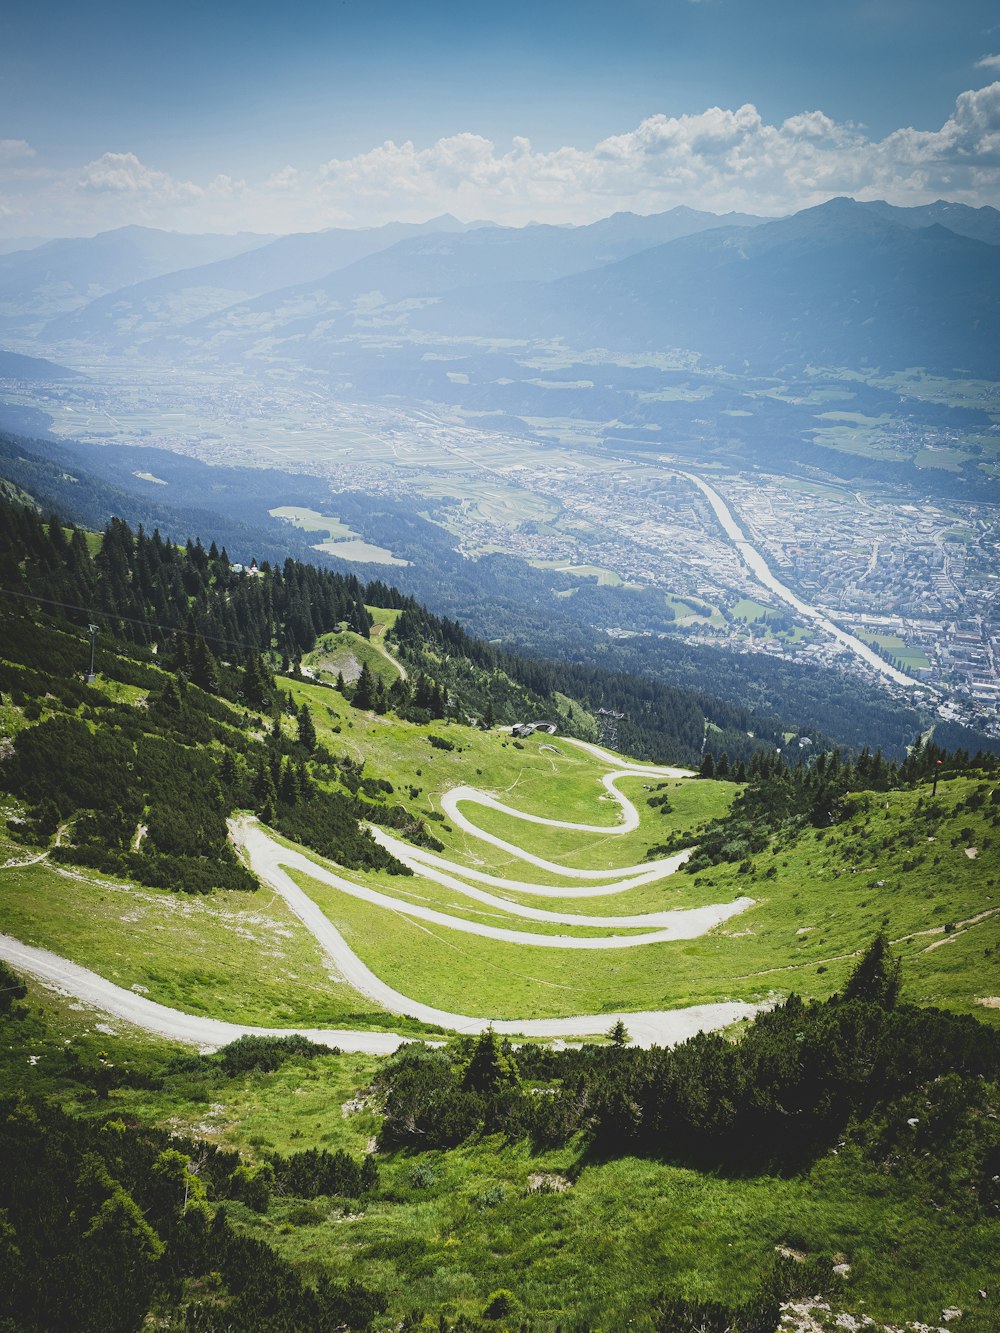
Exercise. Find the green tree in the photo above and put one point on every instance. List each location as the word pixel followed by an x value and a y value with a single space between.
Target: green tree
pixel 307 729
pixel 619 1035
pixel 364 690
pixel 492 1066
pixel 878 977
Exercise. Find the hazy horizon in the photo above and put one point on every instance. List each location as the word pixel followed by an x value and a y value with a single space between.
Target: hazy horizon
pixel 232 121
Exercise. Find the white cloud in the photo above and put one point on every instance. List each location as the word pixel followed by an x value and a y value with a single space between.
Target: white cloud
pixel 15 150
pixel 988 62
pixel 718 159
pixel 123 173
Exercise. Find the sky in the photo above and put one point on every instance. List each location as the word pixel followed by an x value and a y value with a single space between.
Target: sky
pixel 291 117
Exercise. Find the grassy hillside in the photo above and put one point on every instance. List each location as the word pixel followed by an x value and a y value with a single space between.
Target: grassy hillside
pixel 844 1148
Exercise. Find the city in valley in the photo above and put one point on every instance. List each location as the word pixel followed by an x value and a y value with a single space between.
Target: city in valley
pixel 913 586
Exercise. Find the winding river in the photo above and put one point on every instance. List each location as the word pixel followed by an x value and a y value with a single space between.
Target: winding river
pixel 757 565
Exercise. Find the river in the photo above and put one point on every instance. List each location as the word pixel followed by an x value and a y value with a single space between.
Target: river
pixel 757 565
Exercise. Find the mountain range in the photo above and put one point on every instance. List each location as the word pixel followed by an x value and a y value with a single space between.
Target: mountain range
pixel 850 284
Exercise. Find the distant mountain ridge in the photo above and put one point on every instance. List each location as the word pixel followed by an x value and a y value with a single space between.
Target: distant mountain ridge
pixel 183 294
pixel 61 275
pixel 842 284
pixel 398 260
pixel 836 285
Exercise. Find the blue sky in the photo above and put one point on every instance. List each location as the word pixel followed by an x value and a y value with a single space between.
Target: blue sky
pixel 258 98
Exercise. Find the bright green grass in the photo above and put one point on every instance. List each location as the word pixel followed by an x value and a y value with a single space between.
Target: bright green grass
pixel 599 1252
pixel 693 803
pixel 236 956
pixel 821 906
pixel 298 1106
pixel 487 978
pixel 910 657
pixel 747 609
pixel 526 775
pixel 383 618
pixel 301 1105
pixel 416 889
pixel 344 651
pixel 707 615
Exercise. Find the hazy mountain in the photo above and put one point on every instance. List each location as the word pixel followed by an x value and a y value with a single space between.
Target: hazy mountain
pixel 14 366
pixel 981 224
pixel 140 310
pixel 11 243
pixel 430 265
pixel 64 274
pixel 834 285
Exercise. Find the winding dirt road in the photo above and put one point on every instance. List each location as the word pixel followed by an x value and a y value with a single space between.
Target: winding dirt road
pixel 271 861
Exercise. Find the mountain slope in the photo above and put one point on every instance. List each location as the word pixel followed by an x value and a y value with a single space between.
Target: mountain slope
pixel 427 266
pixel 139 310
pixel 833 285
pixel 64 274
pixel 980 224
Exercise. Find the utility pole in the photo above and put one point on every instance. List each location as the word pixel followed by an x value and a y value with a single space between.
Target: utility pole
pixel 92 630
pixel 937 774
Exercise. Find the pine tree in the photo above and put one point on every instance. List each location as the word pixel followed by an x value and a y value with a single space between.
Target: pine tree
pixel 307 729
pixel 619 1035
pixel 288 787
pixel 878 977
pixel 204 668
pixel 492 1066
pixel 369 1175
pixel 258 686
pixel 364 690
pixel 229 773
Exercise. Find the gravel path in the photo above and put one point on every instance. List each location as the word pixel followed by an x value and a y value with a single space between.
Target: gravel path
pixel 270 860
pixel 59 974
pixel 446 872
pixel 451 801
pixel 654 870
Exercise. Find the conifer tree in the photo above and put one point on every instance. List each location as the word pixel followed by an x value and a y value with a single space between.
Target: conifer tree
pixel 307 729
pixel 492 1066
pixel 364 690
pixel 878 977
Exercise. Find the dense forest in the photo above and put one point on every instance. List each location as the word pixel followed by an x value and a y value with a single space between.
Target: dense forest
pixel 102 1220
pixel 659 720
pixel 496 597
pixel 221 627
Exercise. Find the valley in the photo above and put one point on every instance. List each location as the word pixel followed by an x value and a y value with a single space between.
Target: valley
pixel 912 584
pixel 498 777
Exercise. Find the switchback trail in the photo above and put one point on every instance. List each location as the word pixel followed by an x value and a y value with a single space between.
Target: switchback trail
pixel 270 860
pixel 664 1028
